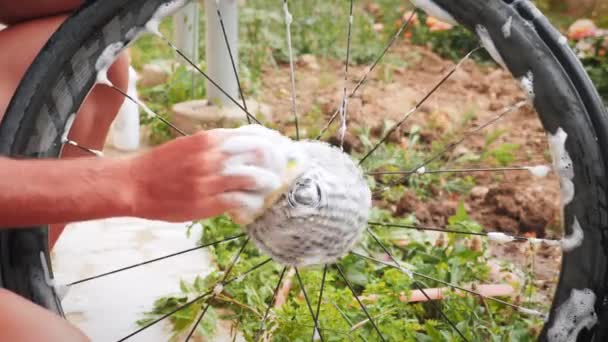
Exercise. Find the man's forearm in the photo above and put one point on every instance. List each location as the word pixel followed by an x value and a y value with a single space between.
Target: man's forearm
pixel 61 191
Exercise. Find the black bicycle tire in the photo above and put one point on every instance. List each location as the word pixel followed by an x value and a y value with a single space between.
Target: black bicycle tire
pixel 564 98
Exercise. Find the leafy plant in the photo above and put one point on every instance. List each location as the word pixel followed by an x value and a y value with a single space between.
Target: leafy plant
pixel 594 56
pixel 384 290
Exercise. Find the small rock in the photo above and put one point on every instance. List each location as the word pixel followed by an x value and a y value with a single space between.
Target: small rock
pixel 461 75
pixel 378 27
pixel 355 106
pixel 479 192
pixel 461 150
pixel 192 116
pixel 154 74
pixel 310 62
pixel 496 106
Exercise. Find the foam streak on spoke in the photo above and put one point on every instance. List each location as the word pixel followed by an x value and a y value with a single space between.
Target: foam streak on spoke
pixel 410 272
pixel 352 290
pixel 371 68
pixel 218 288
pixel 418 105
pixel 157 259
pixel 274 296
pixel 418 286
pixel 82 148
pixel 495 169
pixel 312 314
pixel 288 21
pixel 492 236
pixel 204 74
pixel 344 105
pixel 148 110
pixel 167 315
pixel 236 73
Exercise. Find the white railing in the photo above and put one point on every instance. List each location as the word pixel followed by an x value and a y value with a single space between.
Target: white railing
pixel 218 66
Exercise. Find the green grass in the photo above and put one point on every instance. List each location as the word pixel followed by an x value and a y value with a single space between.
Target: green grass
pixel 383 288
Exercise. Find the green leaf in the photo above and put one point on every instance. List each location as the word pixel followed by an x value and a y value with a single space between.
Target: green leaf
pixel 460 216
pixel 184 287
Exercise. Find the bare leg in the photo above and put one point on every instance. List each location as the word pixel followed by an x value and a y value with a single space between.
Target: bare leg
pixel 21 320
pixel 98 111
pixel 12 12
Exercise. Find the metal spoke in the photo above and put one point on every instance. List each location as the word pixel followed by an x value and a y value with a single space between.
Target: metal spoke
pixel 155 260
pixel 288 21
pixel 352 290
pixel 315 318
pixel 320 299
pixel 200 71
pixel 471 170
pixel 234 69
pixel 198 321
pixel 413 273
pixel 418 105
pixel 344 105
pixel 148 110
pixel 96 153
pixel 218 288
pixel 470 133
pixel 371 68
pixel 274 296
pixel 163 317
pixel 417 285
pixel 492 236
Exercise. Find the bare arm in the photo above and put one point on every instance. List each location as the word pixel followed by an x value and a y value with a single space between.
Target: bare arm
pixel 189 178
pixel 55 191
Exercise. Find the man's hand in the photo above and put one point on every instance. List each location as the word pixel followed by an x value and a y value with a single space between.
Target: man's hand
pixel 207 174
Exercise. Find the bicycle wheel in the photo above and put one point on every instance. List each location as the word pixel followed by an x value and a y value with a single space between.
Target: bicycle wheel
pixel 514 32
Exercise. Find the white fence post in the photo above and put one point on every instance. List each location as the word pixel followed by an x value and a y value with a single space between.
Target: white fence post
pixel 186 30
pixel 219 67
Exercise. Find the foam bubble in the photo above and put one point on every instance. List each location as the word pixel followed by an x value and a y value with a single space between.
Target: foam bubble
pixel 562 164
pixel 540 171
pixel 105 61
pixel 433 9
pixel 68 127
pixel 500 237
pixel 488 44
pixel 163 11
pixel 527 84
pixel 506 28
pixel 576 313
pixel 575 239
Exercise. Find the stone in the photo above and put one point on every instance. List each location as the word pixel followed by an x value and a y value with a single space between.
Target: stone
pixel 196 115
pixel 310 62
pixel 479 192
pixel 154 74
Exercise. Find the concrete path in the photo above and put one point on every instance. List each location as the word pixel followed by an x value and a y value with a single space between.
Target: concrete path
pixel 106 309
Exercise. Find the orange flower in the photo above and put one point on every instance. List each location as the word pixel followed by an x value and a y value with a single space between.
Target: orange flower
pixel 407 15
pixel 602 53
pixel 435 24
pixel 583 28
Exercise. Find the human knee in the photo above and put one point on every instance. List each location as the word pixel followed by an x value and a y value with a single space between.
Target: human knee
pixel 18 316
